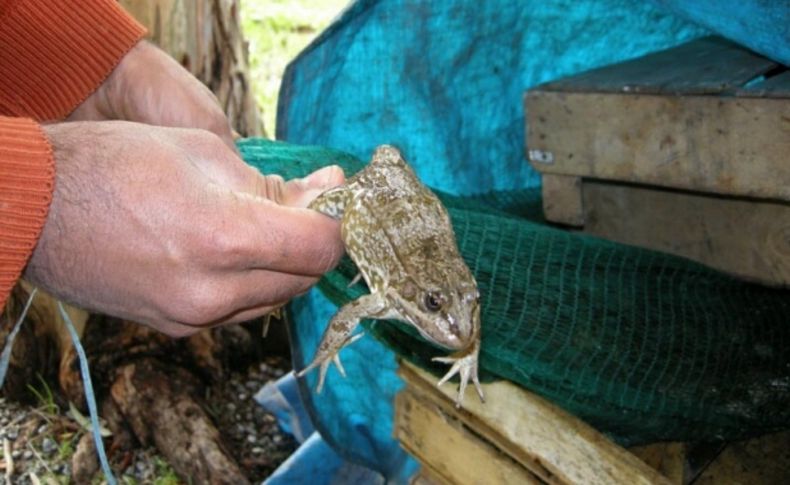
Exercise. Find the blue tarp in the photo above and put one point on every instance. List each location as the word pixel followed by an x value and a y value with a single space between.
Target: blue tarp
pixel 444 81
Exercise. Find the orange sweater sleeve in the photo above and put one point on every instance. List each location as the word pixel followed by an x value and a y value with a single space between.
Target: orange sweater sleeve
pixel 53 55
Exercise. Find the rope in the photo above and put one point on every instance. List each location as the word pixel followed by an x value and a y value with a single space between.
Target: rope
pixel 5 358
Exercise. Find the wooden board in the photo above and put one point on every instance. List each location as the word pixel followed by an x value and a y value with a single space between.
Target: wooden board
pixel 704 66
pixel 725 145
pixel 447 448
pixel 537 435
pixel 706 116
pixel 745 237
pixel 562 199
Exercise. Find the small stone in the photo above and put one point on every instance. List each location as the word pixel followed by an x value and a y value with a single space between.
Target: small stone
pixel 231 407
pixel 12 434
pixel 252 438
pixel 42 429
pixel 27 454
pixel 253 385
pixel 48 446
pixel 16 454
pixel 242 396
pixel 257 450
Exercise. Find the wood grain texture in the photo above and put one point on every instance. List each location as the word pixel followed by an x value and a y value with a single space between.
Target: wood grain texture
pixel 562 199
pixel 725 145
pixel 553 445
pixel 451 453
pixel 745 237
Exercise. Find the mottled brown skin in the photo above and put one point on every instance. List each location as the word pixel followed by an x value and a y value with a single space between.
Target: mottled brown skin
pixel 399 235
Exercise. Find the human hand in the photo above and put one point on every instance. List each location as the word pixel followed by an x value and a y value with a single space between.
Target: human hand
pixel 148 86
pixel 168 227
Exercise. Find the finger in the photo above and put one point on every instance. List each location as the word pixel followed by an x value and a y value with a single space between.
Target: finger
pixel 266 235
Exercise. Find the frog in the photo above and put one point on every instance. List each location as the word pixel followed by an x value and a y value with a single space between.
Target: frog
pixel 399 235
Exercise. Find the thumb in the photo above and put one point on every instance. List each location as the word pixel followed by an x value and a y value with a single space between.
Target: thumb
pixel 325 178
pixel 300 192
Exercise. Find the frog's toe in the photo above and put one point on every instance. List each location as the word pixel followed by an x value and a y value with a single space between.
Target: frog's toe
pixel 466 367
pixel 355 280
pixel 339 365
pixel 321 376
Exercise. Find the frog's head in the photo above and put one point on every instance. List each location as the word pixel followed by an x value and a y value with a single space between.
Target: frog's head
pixel 448 316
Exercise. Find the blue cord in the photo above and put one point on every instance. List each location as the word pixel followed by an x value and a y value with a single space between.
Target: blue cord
pixel 89 396
pixel 5 358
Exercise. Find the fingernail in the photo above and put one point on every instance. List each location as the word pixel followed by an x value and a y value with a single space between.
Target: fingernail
pixel 326 177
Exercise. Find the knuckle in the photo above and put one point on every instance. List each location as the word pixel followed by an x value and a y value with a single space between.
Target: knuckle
pixel 199 305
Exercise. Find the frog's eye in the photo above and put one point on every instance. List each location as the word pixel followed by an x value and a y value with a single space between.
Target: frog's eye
pixel 433 301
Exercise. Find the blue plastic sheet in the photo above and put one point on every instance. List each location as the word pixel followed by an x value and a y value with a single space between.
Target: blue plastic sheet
pixel 761 25
pixel 444 81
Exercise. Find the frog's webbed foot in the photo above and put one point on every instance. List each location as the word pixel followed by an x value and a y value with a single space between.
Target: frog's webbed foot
pixel 324 361
pixel 339 334
pixel 465 365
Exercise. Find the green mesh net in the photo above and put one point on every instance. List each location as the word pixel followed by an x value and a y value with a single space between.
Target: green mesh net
pixel 642 345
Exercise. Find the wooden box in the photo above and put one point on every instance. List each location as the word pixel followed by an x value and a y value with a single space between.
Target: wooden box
pixel 685 151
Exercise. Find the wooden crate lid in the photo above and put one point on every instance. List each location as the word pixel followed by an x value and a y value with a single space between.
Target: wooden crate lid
pixel 709 65
pixel 708 116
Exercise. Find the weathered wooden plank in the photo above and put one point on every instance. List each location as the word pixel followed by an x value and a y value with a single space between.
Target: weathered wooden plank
pixel 540 436
pixel 704 66
pixel 725 145
pixel 748 238
pixel 562 199
pixel 450 452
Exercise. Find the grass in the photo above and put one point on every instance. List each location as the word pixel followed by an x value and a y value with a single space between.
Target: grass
pixel 44 396
pixel 277 30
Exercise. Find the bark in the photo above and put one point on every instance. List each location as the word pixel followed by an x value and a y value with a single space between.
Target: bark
pixel 158 403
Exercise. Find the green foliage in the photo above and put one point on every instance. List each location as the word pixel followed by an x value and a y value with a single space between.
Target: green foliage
pixel 277 30
pixel 44 396
pixel 165 475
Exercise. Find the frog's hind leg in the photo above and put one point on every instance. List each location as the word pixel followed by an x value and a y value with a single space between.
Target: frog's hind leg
pixel 338 334
pixel 332 203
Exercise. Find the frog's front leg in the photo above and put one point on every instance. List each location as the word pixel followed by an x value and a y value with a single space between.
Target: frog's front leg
pixel 338 333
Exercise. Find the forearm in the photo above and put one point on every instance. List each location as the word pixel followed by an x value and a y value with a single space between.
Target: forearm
pixel 27 176
pixel 55 53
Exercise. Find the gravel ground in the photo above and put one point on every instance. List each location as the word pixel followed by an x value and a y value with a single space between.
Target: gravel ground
pixel 41 441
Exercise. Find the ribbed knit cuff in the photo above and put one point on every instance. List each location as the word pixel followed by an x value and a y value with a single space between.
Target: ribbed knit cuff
pixel 55 53
pixel 27 178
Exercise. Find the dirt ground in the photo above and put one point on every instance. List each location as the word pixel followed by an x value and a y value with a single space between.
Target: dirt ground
pixel 42 440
